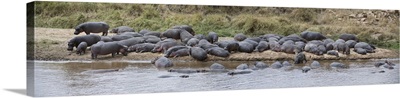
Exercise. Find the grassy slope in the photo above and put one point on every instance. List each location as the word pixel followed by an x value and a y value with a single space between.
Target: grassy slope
pixel 380 27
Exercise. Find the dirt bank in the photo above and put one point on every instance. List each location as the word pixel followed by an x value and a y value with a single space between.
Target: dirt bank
pixel 51 44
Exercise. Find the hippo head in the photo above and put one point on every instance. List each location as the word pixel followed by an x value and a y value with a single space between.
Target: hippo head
pixel 114 30
pixel 124 50
pixel 70 46
pixel 77 31
pixel 154 60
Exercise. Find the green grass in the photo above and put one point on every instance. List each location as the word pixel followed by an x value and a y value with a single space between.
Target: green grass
pixel 225 20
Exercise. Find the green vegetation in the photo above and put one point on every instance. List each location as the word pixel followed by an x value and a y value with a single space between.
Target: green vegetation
pixel 375 27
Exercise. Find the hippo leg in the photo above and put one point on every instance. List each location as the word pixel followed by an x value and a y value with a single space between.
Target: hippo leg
pixel 113 54
pixel 87 33
pixel 94 56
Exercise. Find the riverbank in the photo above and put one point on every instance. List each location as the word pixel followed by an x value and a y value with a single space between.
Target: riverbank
pixel 51 45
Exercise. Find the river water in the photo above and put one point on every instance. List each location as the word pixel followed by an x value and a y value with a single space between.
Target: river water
pixel 77 78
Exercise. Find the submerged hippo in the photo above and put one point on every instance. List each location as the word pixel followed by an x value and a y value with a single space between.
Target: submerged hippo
pixel 187 71
pixel 89 39
pixel 216 67
pixel 337 65
pixel 242 67
pixel 276 65
pixel 315 64
pixel 92 27
pixel 162 62
pixel 305 69
pixel 81 49
pixel 104 48
pixel 260 65
pixel 236 72
pixel 122 29
pixel 198 53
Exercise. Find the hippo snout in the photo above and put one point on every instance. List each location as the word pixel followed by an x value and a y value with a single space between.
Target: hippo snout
pixel 69 49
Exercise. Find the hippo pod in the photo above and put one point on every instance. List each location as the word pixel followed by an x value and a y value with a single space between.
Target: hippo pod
pixel 89 39
pixel 122 29
pixel 162 62
pixel 104 48
pixel 92 27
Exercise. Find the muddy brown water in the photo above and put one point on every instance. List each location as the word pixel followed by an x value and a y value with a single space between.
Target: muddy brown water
pixel 77 78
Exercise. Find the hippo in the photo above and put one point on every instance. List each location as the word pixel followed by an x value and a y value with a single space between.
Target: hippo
pixel 230 45
pixel 163 46
pixel 360 51
pixel 131 41
pixel 388 66
pixel 81 49
pixel 242 67
pixel 120 37
pixel 390 63
pixel 92 27
pixel 300 45
pixel 246 47
pixel 89 39
pixel 315 64
pixel 173 49
pixel 144 47
pixel 333 52
pixel 106 39
pixel 187 71
pixel 327 41
pixel 322 50
pixel 262 46
pixel 218 51
pixel 104 48
pixel 312 48
pixel 172 33
pixel 144 31
pixel 342 47
pixel 369 48
pixel 152 33
pixel 180 53
pixel 133 34
pixel 122 29
pixel 185 36
pixel 274 36
pixel 299 57
pixel 192 42
pixel 240 37
pixel 276 65
pixel 198 53
pixel 286 63
pixel 216 66
pixel 305 69
pixel 346 37
pixel 200 36
pixel 212 37
pixel 206 45
pixel 309 35
pixel 162 62
pixel 292 37
pixel 260 65
pixel 351 43
pixel 274 46
pixel 378 64
pixel 236 72
pixel 185 27
pixel 288 47
pixel 329 46
pixel 256 39
pixel 151 39
pixel 337 65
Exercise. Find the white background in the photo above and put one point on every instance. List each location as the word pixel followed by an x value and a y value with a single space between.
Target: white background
pixel 13 44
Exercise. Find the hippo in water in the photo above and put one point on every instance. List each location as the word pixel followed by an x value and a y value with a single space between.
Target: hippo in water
pixel 305 69
pixel 236 72
pixel 122 29
pixel 242 67
pixel 217 51
pixel 347 37
pixel 89 39
pixel 276 65
pixel 81 49
pixel 198 53
pixel 92 27
pixel 315 64
pixel 217 66
pixel 185 27
pixel 212 37
pixel 162 62
pixel 240 37
pixel 104 48
pixel 337 65
pixel 308 35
